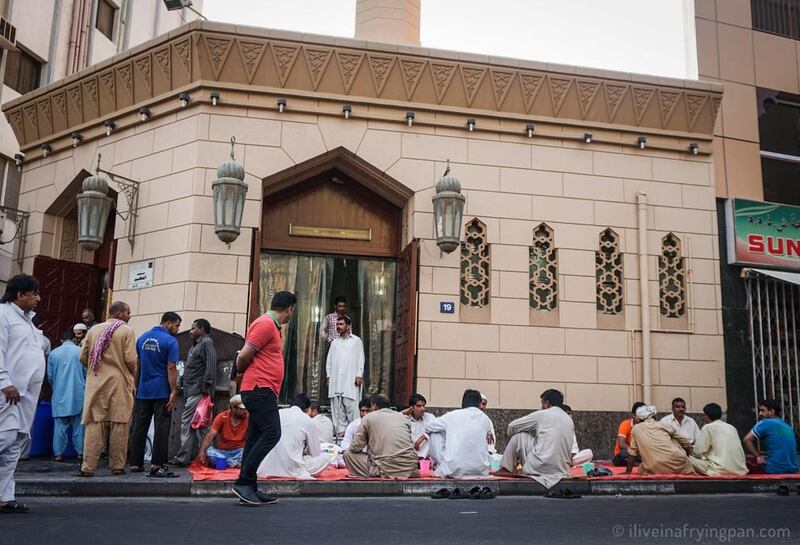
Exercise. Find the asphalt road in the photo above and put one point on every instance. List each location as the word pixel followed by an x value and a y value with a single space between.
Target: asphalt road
pixel 745 519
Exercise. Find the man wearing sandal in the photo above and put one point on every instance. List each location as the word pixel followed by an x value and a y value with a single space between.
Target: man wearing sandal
pixel 22 370
pixel 109 353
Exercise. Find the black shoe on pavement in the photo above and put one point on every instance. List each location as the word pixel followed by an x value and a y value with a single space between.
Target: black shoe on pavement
pixel 266 499
pixel 246 495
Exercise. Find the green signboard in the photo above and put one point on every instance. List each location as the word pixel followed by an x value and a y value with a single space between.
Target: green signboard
pixel 763 234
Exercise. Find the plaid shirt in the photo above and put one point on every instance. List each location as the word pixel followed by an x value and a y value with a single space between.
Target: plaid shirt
pixel 329 327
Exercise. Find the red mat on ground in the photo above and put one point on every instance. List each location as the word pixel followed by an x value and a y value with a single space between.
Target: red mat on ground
pixel 202 473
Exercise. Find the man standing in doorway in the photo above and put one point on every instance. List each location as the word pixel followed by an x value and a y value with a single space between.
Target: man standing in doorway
pixel 155 396
pixel 329 330
pixel 87 317
pixel 260 362
pixel 22 371
pixel 109 352
pixel 199 379
pixel 345 370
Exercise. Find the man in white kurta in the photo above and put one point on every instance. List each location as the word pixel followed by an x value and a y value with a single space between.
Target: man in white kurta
pixel 717 449
pixel 541 442
pixel 418 419
pixel 459 440
pixel 345 370
pixel 22 368
pixel 298 453
pixel 321 422
pixel 681 423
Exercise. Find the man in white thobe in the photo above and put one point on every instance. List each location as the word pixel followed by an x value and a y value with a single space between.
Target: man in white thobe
pixel 345 370
pixel 298 453
pixel 579 457
pixel 418 419
pixel 22 368
pixel 681 423
pixel 541 442
pixel 321 422
pixel 459 440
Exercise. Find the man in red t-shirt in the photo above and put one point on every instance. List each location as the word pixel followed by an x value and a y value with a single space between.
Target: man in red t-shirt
pixel 230 431
pixel 624 437
pixel 261 364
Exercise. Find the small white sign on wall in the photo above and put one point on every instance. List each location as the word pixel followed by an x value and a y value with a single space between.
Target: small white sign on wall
pixel 140 275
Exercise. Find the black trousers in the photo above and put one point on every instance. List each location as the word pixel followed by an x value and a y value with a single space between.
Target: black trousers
pixel 143 411
pixel 263 431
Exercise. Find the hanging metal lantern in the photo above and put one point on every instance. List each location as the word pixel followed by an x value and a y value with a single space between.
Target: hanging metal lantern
pixel 94 205
pixel 448 209
pixel 230 192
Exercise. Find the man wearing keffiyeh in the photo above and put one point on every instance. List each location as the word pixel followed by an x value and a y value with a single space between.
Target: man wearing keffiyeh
pixel 109 352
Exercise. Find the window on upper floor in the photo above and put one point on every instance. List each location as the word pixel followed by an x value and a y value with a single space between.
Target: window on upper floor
pixel 781 17
pixel 106 15
pixel 779 136
pixel 23 71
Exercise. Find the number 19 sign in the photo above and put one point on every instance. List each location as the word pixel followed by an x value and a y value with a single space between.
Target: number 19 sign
pixel 447 307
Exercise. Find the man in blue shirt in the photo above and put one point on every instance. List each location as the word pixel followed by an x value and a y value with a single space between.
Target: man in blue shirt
pixel 67 376
pixel 155 393
pixel 777 439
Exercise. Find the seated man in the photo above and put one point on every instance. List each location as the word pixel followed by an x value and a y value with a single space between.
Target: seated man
pixel 350 432
pixel 459 440
pixel 387 436
pixel 541 442
pixel 717 449
pixel 681 423
pixel 418 419
pixel 230 430
pixel 777 438
pixel 298 453
pixel 661 448
pixel 579 456
pixel 323 423
pixel 620 458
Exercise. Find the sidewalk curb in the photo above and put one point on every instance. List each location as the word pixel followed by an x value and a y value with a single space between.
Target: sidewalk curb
pixel 110 487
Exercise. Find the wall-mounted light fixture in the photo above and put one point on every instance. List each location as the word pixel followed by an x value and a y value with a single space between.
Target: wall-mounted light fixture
pixel 410 119
pixel 529 128
pixel 641 142
pixel 184 99
pixel 471 124
pixel 230 192
pixel 76 139
pixel 347 110
pixel 214 96
pixel 144 114
pixel 281 104
pixel 94 206
pixel 20 219
pixel 110 126
pixel 694 148
pixel 448 209
pixel 18 160
pixel 47 149
pixel 587 137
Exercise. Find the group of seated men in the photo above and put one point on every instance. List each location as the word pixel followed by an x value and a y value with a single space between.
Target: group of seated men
pixel 675 444
pixel 542 445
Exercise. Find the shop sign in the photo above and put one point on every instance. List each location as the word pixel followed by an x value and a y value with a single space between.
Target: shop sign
pixel 140 275
pixel 763 234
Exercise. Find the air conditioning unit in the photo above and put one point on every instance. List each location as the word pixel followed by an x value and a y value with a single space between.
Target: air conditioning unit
pixel 8 35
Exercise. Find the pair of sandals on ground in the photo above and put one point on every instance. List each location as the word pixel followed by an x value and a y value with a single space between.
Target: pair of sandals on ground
pixel 474 493
pixel 161 472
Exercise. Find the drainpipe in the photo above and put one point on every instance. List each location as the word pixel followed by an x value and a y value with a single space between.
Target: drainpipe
pixel 644 299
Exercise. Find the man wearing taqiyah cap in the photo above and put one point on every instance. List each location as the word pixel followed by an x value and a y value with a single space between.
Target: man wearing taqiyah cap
pixel 230 431
pixel 79 333
pixel 662 449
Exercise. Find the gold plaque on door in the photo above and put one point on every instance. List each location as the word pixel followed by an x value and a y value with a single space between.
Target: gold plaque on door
pixel 329 232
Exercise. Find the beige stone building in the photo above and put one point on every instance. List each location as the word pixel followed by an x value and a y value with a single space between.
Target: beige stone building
pixel 576 182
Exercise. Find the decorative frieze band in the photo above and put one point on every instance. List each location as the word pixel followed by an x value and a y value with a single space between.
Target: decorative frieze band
pixel 241 59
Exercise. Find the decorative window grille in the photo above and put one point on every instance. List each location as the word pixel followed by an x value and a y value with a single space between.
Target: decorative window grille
pixel 671 278
pixel 608 274
pixel 475 266
pixel 543 266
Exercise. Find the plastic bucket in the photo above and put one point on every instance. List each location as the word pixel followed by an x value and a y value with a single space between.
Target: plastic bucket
pixel 220 463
